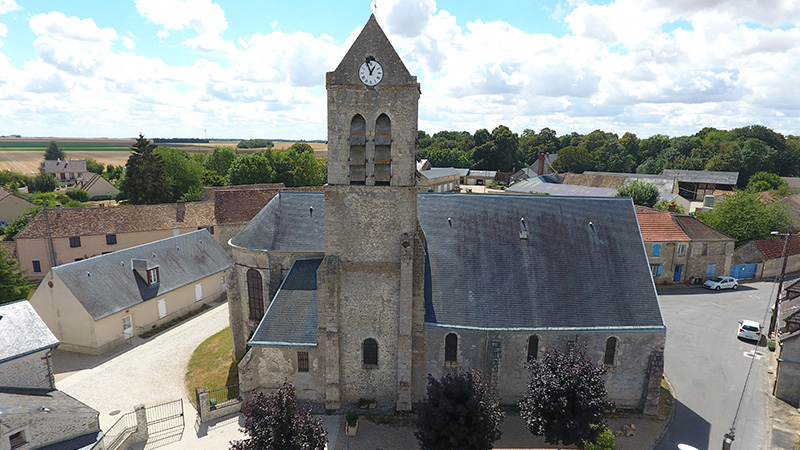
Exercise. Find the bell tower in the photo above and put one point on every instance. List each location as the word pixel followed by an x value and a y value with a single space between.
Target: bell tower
pixel 370 299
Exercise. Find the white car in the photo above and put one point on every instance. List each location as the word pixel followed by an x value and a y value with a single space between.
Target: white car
pixel 749 329
pixel 718 283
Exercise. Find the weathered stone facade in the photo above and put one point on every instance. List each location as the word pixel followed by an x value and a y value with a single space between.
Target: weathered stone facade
pixel 29 371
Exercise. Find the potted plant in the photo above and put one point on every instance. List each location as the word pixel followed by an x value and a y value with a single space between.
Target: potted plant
pixel 352 423
pixel 366 403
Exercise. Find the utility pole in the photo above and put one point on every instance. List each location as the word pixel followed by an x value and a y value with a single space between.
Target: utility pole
pixel 773 323
pixel 50 251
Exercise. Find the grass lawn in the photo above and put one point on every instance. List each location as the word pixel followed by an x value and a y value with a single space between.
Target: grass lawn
pixel 211 366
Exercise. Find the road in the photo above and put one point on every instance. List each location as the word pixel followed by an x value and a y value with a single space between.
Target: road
pixel 708 366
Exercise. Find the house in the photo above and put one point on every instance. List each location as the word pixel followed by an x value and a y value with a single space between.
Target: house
pixel 80 233
pixel 479 177
pixel 66 171
pixel 694 185
pixel 364 289
pixel 543 166
pixel 33 413
pixel 438 179
pixel 235 206
pixel 764 258
pixel 96 304
pixel 97 187
pixel 11 206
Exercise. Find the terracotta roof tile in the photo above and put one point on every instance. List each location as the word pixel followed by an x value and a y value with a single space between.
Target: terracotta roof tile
pixel 10 247
pixel 658 226
pixel 119 219
pixel 773 248
pixel 698 231
pixel 239 204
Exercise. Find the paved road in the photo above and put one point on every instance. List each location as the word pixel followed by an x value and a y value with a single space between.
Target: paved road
pixel 708 366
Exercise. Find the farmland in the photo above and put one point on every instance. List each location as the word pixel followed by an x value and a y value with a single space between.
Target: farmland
pixel 24 155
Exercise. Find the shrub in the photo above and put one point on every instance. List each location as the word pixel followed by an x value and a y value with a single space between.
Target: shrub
pixel 79 195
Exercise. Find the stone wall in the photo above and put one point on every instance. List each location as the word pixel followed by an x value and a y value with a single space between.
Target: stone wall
pixel 30 371
pixel 787 384
pixel 701 254
pixel 40 429
pixel 265 369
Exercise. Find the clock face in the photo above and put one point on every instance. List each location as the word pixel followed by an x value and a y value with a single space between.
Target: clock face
pixel 370 73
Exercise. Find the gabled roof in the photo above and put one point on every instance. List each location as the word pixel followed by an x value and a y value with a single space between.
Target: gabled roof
pixel 773 248
pixel 697 230
pixel 291 319
pixel 438 172
pixel 659 226
pixel 480 274
pixel 7 193
pixel 239 204
pixel 536 186
pixel 22 331
pixel 107 284
pixel 119 219
pixel 30 402
pixel 702 176
pixel 88 180
pixel 65 165
pixel 617 179
pixel 482 173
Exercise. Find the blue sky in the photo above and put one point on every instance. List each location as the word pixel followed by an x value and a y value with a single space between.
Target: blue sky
pixel 233 69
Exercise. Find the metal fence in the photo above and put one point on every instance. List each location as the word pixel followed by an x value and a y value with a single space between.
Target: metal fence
pixel 165 417
pixel 222 395
pixel 122 428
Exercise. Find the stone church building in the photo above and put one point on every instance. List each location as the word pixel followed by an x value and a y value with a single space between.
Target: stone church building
pixel 362 290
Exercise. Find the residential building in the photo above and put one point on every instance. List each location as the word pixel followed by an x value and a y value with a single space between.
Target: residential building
pixel 96 304
pixel 694 185
pixel 764 258
pixel 667 186
pixel 11 206
pixel 543 166
pixel 62 235
pixel 787 374
pixel 363 290
pixel 438 179
pixel 66 171
pixel 96 186
pixel 33 414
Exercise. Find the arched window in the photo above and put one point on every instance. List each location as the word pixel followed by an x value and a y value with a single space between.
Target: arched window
pixel 611 350
pixel 255 294
pixel 450 348
pixel 358 150
pixel 383 150
pixel 370 352
pixel 533 347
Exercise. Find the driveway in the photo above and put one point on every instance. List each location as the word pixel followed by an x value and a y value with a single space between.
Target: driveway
pixel 147 372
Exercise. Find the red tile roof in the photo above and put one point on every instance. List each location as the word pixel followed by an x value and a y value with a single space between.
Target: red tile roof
pixel 11 248
pixel 239 204
pixel 773 248
pixel 658 226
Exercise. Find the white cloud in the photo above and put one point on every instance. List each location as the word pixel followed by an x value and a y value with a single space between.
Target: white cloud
pixel 203 16
pixel 7 6
pixel 129 43
pixel 3 33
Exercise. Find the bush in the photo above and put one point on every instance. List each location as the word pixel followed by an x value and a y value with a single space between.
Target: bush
pixel 351 418
pixel 605 441
pixel 79 195
pixel 771 345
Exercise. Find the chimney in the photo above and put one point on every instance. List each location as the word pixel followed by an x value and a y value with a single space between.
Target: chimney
pixel 58 210
pixel 181 212
pixel 672 207
pixel 181 206
pixel 541 164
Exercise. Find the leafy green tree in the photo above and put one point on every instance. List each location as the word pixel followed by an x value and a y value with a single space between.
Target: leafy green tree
pixel 766 181
pixel 182 173
pixel 79 195
pixel 255 143
pixel 114 172
pixel 301 147
pixel 13 180
pixel 276 422
pixel 458 413
pixel 54 152
pixel 498 152
pixel 605 441
pixel 572 159
pixel 251 169
pixel 642 193
pixel 92 165
pixel 145 180
pixel 44 182
pixel 652 147
pixel 663 205
pixel 220 159
pixel 755 155
pixel 18 223
pixel 744 216
pixel 566 396
pixel 12 279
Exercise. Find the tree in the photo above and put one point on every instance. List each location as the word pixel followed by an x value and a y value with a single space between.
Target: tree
pixel 92 165
pixel 18 223
pixel 54 152
pixel 182 173
pixel 744 216
pixel 79 195
pixel 220 160
pixel 145 181
pixel 12 279
pixel 458 413
pixel 663 205
pixel 643 194
pixel 275 422
pixel 251 169
pixel 605 441
pixel 301 147
pixel 572 159
pixel 44 182
pixel 566 396
pixel 766 181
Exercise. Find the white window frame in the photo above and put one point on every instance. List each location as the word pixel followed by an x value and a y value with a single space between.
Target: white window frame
pixel 198 292
pixel 162 308
pixel 681 249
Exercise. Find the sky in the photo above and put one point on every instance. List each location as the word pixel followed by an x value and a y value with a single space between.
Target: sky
pixel 243 69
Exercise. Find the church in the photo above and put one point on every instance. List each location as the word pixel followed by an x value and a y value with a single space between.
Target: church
pixel 364 289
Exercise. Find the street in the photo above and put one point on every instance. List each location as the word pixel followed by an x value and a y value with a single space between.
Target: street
pixel 708 366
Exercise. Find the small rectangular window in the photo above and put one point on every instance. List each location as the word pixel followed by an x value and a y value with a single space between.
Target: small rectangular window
pixel 37 266
pixel 681 249
pixel 111 239
pixel 302 361
pixel 162 308
pixel 75 241
pixel 211 229
pixel 153 276
pixel 17 439
pixel 198 292
pixel 656 249
pixel 704 252
pixel 655 270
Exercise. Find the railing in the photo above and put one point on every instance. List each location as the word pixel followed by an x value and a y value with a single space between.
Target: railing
pixel 125 426
pixel 222 395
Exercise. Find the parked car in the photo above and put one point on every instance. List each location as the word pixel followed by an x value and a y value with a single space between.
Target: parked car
pixel 749 329
pixel 718 283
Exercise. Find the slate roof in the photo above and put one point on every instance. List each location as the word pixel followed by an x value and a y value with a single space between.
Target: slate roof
pixel 22 331
pixel 617 179
pixel 482 173
pixel 698 231
pixel 119 219
pixel 536 185
pixel 773 248
pixel 659 226
pixel 107 284
pixel 291 320
pixel 463 172
pixel 480 275
pixel 438 172
pixel 30 402
pixel 239 204
pixel 65 165
pixel 702 176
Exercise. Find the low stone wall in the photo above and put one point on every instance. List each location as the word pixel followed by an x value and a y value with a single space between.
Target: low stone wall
pixel 208 412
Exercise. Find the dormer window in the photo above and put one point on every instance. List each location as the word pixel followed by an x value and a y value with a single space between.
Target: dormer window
pixel 152 276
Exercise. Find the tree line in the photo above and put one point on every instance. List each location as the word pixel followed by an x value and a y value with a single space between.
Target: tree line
pixel 746 150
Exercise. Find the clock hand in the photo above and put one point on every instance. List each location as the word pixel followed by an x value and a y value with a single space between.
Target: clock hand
pixel 370 68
